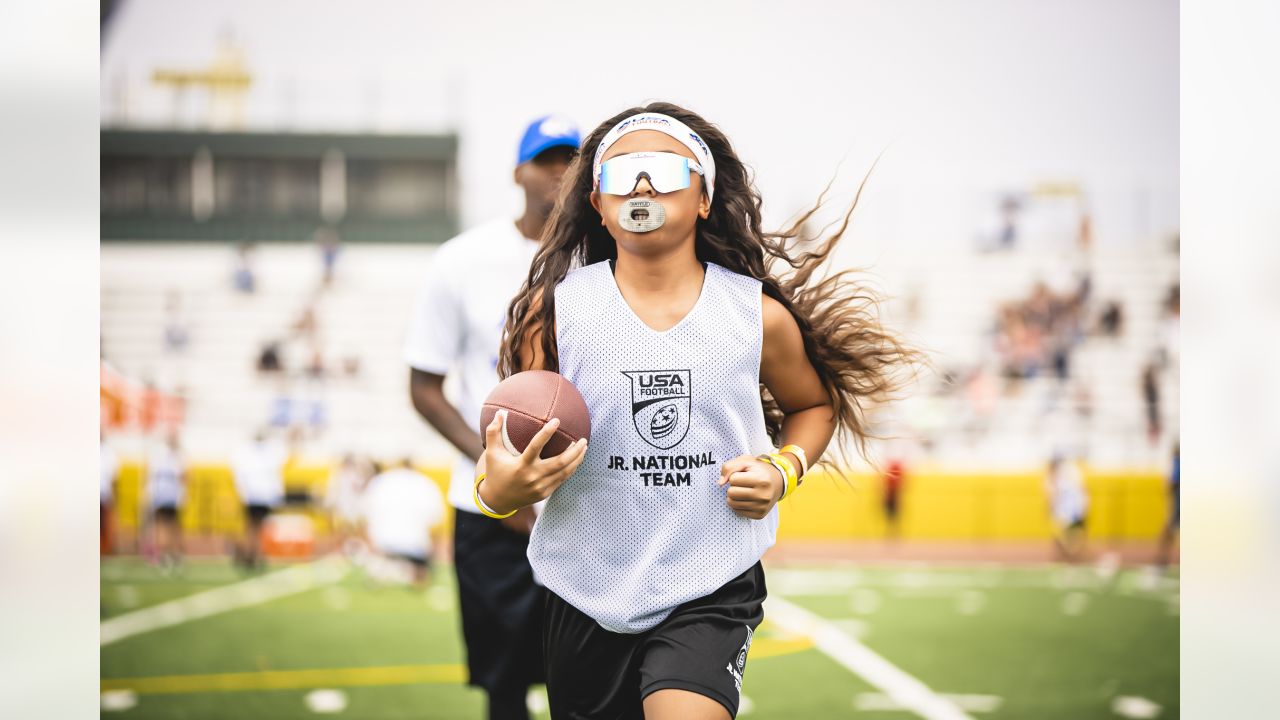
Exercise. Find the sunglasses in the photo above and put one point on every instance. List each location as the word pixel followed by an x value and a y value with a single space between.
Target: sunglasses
pixel 666 172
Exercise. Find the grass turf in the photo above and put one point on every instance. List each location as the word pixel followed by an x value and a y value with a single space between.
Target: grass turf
pixel 1046 642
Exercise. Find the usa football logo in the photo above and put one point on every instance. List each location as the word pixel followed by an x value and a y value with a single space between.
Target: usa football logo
pixel 660 402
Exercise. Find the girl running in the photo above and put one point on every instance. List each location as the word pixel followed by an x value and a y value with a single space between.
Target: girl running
pixel 651 294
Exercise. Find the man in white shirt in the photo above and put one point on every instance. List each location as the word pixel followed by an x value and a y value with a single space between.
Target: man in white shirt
pixel 259 477
pixel 166 489
pixel 1069 506
pixel 400 506
pixel 457 330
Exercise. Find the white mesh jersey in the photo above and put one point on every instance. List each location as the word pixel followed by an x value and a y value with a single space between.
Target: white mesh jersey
pixel 641 526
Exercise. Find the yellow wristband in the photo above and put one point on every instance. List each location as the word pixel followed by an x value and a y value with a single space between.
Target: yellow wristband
pixel 789 472
pixel 784 468
pixel 485 509
pixel 799 453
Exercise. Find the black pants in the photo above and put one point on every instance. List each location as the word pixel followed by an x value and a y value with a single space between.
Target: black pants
pixel 701 647
pixel 501 606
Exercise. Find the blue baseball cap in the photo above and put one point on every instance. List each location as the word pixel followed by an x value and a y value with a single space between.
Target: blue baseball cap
pixel 547 132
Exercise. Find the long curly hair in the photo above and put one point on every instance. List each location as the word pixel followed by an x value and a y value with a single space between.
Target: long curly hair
pixel 858 361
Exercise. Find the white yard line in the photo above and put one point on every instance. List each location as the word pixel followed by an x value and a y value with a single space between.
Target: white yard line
pixel 905 690
pixel 289 581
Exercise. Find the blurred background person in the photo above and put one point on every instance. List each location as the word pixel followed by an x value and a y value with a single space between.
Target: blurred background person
pixel 1151 400
pixel 176 334
pixel 329 244
pixel 400 508
pixel 342 499
pixel 258 468
pixel 1169 536
pixel 166 490
pixel 1069 506
pixel 457 328
pixel 893 477
pixel 243 277
pixel 108 470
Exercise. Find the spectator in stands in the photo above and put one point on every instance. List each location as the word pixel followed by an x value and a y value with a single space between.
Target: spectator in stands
pixel 176 335
pixel 243 277
pixel 1170 331
pixel 457 328
pixel 258 470
pixel 1009 209
pixel 351 365
pixel 269 358
pixel 1084 232
pixel 1019 343
pixel 329 244
pixel 1111 320
pixel 1041 308
pixel 1069 506
pixel 316 368
pixel 305 326
pixel 401 507
pixel 166 490
pixel 1151 399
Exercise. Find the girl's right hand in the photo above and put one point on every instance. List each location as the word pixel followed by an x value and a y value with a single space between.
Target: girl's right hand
pixel 516 481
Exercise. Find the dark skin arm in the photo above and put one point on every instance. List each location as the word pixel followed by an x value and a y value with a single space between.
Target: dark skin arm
pixel 427 392
pixel 755 486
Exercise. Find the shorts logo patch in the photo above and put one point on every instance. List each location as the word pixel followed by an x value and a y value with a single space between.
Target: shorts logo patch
pixel 660 404
pixel 741 661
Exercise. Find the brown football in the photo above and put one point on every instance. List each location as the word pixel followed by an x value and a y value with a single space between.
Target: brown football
pixel 532 398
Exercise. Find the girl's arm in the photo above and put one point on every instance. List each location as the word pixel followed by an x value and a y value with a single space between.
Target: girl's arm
pixel 808 421
pixel 516 481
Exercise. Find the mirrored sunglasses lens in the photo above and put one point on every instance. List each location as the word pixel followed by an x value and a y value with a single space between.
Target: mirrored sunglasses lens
pixel 666 174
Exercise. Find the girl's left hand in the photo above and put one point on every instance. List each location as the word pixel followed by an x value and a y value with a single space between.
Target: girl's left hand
pixel 754 486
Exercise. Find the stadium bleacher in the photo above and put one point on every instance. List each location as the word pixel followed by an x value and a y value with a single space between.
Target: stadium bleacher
pixel 365 312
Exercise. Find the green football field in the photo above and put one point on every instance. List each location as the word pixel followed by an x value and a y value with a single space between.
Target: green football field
pixel 839 640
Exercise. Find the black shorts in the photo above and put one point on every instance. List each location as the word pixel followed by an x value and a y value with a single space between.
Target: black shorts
pixel 501 605
pixel 165 513
pixel 891 504
pixel 418 561
pixel 701 647
pixel 256 514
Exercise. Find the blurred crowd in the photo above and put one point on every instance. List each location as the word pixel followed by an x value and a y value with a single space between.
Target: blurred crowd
pixel 381 516
pixel 384 517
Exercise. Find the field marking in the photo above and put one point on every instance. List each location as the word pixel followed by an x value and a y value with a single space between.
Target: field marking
pixel 1131 706
pixel 766 647
pixel 290 679
pixel 353 677
pixel 289 581
pixel 118 700
pixel 326 701
pixel 904 689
